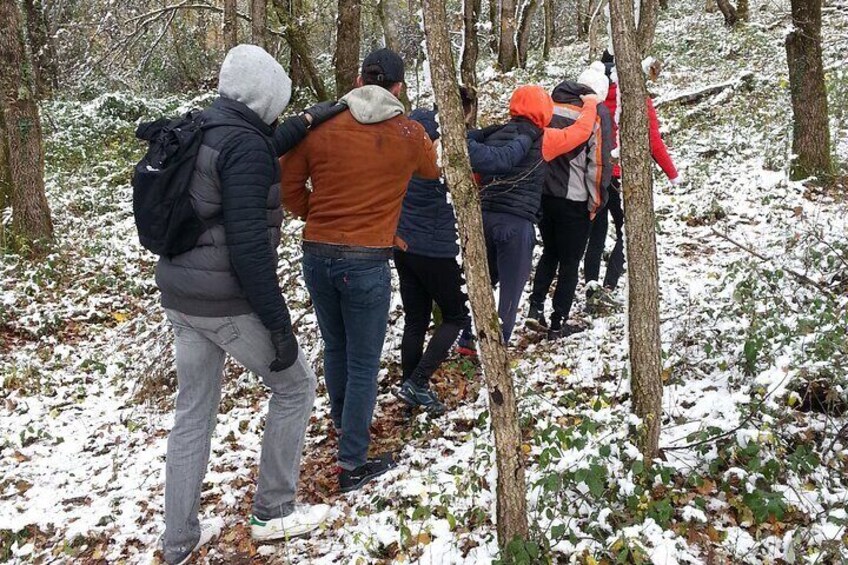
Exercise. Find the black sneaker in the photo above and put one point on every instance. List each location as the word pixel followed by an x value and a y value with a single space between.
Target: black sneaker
pixel 564 331
pixel 416 395
pixel 536 319
pixel 376 466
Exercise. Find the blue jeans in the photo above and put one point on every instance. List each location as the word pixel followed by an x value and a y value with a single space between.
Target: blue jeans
pixel 351 299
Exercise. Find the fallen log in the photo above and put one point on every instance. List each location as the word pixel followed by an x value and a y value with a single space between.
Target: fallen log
pixel 744 81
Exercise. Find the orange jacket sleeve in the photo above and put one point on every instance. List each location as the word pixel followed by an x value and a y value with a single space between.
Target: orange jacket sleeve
pixel 556 142
pixel 294 169
pixel 428 167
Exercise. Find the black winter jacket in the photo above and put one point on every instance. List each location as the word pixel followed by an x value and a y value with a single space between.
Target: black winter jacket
pixel 235 189
pixel 518 192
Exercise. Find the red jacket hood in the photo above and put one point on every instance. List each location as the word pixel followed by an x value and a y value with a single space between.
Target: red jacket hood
pixel 534 103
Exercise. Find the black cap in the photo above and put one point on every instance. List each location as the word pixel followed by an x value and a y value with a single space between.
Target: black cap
pixel 383 65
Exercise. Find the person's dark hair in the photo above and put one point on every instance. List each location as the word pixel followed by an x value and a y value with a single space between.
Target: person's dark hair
pixel 468 97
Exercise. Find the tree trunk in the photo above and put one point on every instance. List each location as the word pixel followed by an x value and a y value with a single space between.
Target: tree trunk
pixel 507 59
pixel 30 212
pixel 810 132
pixel 525 26
pixel 230 24
pixel 550 29
pixel 41 46
pixel 5 171
pixel 297 72
pixel 594 44
pixel 299 44
pixel 647 26
pixel 511 486
pixel 494 21
pixel 580 10
pixel 729 12
pixel 348 37
pixel 259 22
pixel 388 21
pixel 642 272
pixel 470 51
pixel 743 10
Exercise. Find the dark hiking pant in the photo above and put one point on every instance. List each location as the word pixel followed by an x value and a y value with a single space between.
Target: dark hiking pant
pixel 509 250
pixel 565 230
pixel 597 241
pixel 424 280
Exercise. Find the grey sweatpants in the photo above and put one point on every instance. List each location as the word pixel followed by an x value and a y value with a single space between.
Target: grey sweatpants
pixel 201 348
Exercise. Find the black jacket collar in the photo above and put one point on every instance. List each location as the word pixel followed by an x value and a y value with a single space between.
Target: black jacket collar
pixel 233 109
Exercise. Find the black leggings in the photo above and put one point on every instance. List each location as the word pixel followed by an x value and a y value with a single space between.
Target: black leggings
pixel 598 238
pixel 424 280
pixel 565 231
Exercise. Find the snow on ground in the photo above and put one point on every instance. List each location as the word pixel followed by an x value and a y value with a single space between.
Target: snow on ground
pixel 85 361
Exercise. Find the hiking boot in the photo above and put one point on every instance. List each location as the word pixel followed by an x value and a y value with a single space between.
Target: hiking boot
pixel 376 466
pixel 209 530
pixel 302 520
pixel 536 319
pixel 417 395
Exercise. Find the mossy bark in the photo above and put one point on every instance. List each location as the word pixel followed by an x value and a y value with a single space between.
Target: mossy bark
pixel 642 271
pixel 511 487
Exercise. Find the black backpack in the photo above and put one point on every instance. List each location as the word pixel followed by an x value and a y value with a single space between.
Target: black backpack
pixel 164 216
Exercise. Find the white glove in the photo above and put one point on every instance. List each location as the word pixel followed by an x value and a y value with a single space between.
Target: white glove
pixel 676 181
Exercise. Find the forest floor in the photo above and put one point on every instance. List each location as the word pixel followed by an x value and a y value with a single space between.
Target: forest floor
pixel 754 281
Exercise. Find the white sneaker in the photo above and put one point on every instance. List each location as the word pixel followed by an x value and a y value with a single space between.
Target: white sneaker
pixel 303 520
pixel 209 530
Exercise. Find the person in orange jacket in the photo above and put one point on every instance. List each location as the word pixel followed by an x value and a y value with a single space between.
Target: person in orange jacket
pixel 511 202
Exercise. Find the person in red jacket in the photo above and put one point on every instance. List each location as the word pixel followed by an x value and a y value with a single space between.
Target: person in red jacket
pixel 598 235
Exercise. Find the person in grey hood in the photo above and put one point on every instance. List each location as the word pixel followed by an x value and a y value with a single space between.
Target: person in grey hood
pixel 360 163
pixel 223 297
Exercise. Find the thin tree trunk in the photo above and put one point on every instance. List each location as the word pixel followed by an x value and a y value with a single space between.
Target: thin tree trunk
pixel 511 486
pixel 525 26
pixel 507 56
pixel 580 9
pixel 743 10
pixel 647 25
pixel 494 22
pixel 550 29
pixel 348 37
pixel 5 170
pixel 388 21
pixel 728 11
pixel 811 132
pixel 299 44
pixel 299 77
pixel 258 22
pixel 41 47
pixel 470 51
pixel 642 272
pixel 594 44
pixel 30 212
pixel 230 24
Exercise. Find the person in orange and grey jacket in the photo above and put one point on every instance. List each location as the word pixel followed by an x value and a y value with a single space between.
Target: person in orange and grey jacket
pixel 598 236
pixel 574 191
pixel 428 269
pixel 360 163
pixel 511 202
